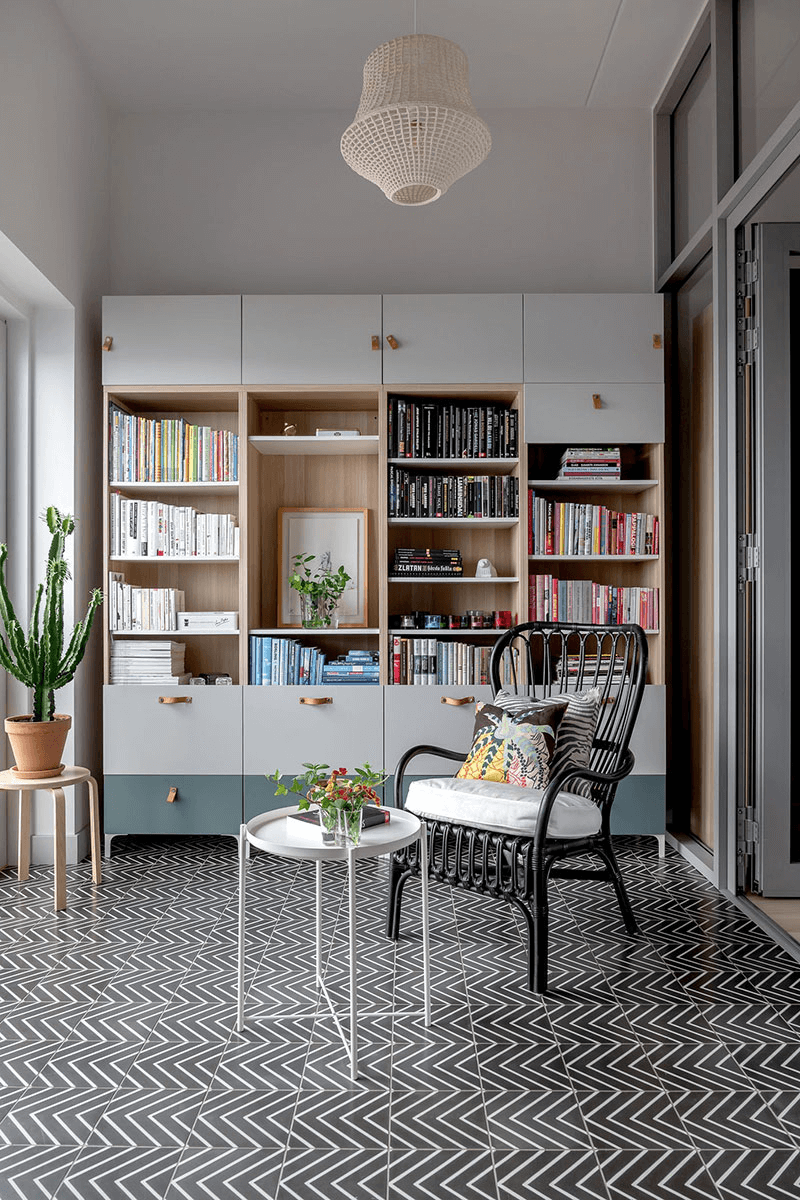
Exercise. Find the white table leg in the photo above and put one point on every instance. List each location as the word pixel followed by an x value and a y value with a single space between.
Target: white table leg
pixel 319 922
pixel 24 836
pixel 240 964
pixel 351 896
pixel 426 949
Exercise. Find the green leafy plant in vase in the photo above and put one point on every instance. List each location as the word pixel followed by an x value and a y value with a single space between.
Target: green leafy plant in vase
pixel 339 798
pixel 39 659
pixel 320 590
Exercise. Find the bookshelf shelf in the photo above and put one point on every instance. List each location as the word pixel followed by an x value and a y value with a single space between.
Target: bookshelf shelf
pixel 283 445
pixel 471 522
pixel 480 579
pixel 633 486
pixel 446 633
pixel 615 558
pixel 173 633
pixel 158 489
pixel 474 466
pixel 155 560
pixel 291 631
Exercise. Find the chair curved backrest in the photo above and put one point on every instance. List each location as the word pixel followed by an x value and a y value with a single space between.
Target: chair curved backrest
pixel 542 659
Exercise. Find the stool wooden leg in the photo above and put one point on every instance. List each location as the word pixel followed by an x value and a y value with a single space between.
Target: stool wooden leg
pixel 24 836
pixel 59 850
pixel 94 829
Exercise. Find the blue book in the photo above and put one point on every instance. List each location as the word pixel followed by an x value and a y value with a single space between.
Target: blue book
pixel 274 666
pixel 266 658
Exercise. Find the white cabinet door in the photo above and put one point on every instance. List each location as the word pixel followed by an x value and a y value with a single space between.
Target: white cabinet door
pixel 594 339
pixel 142 735
pixel 565 412
pixel 283 728
pixel 160 340
pixel 311 340
pixel 452 339
pixel 649 738
pixel 421 716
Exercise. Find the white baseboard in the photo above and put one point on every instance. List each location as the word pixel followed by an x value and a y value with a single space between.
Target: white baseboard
pixel 701 859
pixel 77 845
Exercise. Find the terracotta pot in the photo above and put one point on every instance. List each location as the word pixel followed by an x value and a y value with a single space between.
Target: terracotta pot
pixel 38 745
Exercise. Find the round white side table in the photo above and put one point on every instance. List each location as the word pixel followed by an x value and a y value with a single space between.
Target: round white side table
pixel 10 781
pixel 275 833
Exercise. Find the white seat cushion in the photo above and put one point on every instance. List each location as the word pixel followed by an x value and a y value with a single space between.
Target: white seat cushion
pixel 501 806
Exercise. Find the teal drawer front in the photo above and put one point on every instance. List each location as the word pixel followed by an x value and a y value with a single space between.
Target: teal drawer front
pixel 204 804
pixel 640 805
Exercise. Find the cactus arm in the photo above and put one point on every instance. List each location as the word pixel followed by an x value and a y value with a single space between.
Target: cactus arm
pixel 8 664
pixel 80 638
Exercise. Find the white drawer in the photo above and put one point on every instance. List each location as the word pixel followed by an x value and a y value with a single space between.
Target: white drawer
pixel 283 728
pixel 419 716
pixel 565 413
pixel 143 735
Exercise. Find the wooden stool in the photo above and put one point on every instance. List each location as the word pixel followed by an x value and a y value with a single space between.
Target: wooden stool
pixel 11 782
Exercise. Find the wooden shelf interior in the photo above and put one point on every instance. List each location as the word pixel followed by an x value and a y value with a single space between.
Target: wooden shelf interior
pixel 309 480
pixel 544 460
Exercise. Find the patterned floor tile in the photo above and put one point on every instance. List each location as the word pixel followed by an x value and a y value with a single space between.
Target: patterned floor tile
pixel 438 1121
pixel 119 1173
pixel 730 1120
pixel 786 1106
pixel 248 1118
pixel 334 1175
pixel 710 1067
pixel 609 1067
pixel 632 1120
pixel 441 1175
pixel 89 1064
pixel 531 1067
pixel 148 1117
pixel 336 1120
pixel 535 1121
pixel 265 1068
pixel 769 1065
pixel 53 1116
pixel 434 1067
pixel 226 1174
pixel 174 1065
pixel 755 1174
pixel 327 1066
pixel 656 1175
pixel 33 1172
pixel 549 1175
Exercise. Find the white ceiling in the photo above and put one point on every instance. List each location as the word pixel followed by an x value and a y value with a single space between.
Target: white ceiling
pixel 184 55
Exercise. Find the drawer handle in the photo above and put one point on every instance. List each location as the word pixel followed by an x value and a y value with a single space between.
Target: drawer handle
pixel 172 795
pixel 392 340
pixel 314 700
pixel 174 699
pixel 657 343
pixel 457 701
pixel 376 342
pixel 107 343
pixel 597 400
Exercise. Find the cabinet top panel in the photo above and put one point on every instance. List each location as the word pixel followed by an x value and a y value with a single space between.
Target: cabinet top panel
pixel 157 340
pixel 586 338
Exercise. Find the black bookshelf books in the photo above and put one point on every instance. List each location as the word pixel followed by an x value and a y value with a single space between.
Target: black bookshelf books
pixel 425 428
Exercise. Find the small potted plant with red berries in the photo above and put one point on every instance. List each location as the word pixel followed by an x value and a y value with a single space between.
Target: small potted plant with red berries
pixel 339 797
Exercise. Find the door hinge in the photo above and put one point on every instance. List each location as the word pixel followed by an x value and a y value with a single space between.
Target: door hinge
pixel 750 827
pixel 748 559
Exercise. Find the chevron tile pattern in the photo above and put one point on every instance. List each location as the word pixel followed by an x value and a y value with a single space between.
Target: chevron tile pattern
pixel 660 1067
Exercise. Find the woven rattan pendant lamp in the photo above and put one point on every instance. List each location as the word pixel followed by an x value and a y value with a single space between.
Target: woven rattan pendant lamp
pixel 416 130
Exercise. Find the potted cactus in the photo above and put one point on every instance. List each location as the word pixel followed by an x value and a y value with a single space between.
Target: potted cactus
pixel 39 660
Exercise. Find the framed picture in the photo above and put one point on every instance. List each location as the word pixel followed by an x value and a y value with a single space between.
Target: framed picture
pixel 336 537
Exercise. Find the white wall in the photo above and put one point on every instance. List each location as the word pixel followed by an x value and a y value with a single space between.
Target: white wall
pixel 241 202
pixel 54 148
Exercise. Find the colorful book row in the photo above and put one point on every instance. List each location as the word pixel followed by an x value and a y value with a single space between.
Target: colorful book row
pixel 584 602
pixel 565 527
pixel 169 450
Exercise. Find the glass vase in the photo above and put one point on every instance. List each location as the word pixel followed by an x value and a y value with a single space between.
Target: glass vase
pixel 328 822
pixel 317 612
pixel 348 828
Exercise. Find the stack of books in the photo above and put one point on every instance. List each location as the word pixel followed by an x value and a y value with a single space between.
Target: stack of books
pixel 169 450
pixel 148 662
pixel 357 666
pixel 414 495
pixel 423 661
pixel 412 561
pixel 278 660
pixel 150 529
pixel 592 670
pixel 590 462
pixel 131 609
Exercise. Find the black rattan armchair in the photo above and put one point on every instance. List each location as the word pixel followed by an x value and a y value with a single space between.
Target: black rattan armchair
pixel 540 660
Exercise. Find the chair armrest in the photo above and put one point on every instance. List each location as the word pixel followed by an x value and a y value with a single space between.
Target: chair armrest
pixel 415 752
pixel 560 781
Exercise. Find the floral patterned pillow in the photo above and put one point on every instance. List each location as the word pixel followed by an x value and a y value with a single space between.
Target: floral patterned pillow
pixel 514 749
